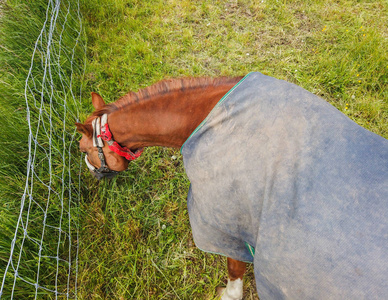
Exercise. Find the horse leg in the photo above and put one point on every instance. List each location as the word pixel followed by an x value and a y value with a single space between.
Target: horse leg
pixel 234 288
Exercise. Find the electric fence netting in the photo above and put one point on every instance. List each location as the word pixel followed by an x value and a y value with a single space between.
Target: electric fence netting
pixel 43 260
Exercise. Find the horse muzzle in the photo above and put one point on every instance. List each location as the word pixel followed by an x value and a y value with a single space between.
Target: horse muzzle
pixel 102 172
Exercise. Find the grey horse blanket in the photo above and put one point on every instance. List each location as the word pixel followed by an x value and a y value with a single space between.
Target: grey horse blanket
pixel 281 178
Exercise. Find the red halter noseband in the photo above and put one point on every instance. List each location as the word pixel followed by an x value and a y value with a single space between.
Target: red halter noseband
pixel 106 135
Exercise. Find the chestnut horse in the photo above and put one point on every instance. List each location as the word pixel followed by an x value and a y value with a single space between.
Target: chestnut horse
pixel 164 114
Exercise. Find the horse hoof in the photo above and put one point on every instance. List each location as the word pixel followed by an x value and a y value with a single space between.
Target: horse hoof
pixel 221 292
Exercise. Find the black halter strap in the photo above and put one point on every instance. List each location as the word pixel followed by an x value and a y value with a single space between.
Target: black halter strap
pixel 104 169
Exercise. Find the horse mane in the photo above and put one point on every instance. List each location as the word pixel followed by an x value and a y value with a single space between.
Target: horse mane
pixel 160 88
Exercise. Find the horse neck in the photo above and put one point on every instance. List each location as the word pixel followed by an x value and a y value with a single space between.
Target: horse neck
pixel 168 118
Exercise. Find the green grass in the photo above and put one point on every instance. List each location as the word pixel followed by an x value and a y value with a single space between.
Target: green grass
pixel 136 241
pixel 20 25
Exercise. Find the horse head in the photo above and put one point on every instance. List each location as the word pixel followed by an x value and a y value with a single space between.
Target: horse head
pixel 101 160
pixel 164 114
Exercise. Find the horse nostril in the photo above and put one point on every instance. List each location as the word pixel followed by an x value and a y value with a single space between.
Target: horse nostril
pixel 98 176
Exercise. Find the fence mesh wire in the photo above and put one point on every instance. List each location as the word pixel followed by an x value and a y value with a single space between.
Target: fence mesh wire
pixel 43 257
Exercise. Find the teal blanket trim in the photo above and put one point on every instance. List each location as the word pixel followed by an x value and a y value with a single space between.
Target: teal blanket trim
pixel 215 107
pixel 250 249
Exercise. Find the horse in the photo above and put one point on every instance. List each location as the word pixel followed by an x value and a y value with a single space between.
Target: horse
pixel 279 177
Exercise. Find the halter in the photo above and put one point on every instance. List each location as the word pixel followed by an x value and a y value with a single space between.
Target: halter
pixel 102 133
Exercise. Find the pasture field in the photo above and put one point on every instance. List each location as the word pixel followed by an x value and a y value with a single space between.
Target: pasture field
pixel 135 240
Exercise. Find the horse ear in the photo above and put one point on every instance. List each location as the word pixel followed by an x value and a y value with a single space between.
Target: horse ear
pixel 83 129
pixel 97 101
